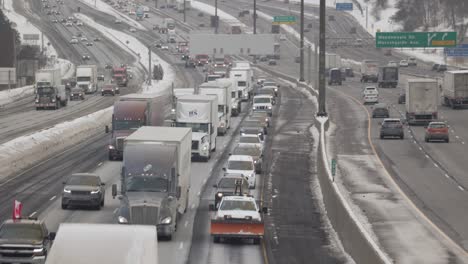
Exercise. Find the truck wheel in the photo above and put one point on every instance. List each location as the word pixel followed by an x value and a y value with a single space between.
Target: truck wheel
pixel 447 140
pixel 426 139
pixel 111 157
pixel 216 239
pixel 64 206
pixel 256 241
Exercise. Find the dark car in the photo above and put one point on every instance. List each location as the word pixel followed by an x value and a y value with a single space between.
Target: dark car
pixel 24 241
pixel 252 151
pixel 380 110
pixel 76 93
pixel 86 57
pixel 349 72
pixel 392 127
pixel 272 62
pixel 83 189
pixel 435 66
pixel 110 89
pixel 437 131
pixel 230 184
pixel 442 68
pixel 335 77
pixel 100 77
pixel 108 66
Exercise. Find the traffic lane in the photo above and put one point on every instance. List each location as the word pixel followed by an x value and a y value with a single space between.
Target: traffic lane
pixel 419 176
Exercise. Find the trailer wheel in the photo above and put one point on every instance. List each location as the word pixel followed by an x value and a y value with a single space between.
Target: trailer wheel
pixel 256 241
pixel 216 239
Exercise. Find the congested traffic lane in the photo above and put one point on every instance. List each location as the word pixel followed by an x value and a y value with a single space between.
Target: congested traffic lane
pixel 419 173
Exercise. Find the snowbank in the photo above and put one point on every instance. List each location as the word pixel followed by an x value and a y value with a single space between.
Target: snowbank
pixel 8 96
pixel 104 7
pixel 24 151
pixel 138 49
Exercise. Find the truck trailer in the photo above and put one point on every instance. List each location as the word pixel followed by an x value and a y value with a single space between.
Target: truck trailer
pixel 369 71
pixel 155 178
pixel 455 89
pixel 388 76
pixel 422 96
pixel 50 93
pixel 222 88
pixel 241 75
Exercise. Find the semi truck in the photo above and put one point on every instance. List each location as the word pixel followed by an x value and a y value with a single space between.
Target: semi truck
pixel 68 245
pixel 120 76
pixel 132 111
pixel 168 24
pixel 51 97
pixel 199 112
pixel 180 5
pixel 455 88
pixel 369 71
pixel 388 76
pixel 86 78
pixel 422 96
pixel 155 178
pixel 241 75
pixel 177 92
pixel 222 89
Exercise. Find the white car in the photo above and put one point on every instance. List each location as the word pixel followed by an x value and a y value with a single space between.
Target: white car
pixel 74 41
pixel 118 21
pixel 282 37
pixel 392 64
pixel 84 39
pixel 251 140
pixel 370 90
pixel 370 95
pixel 242 164
pixel 69 24
pixel 79 23
pixel 164 47
pixel 404 63
pixel 133 30
pixel 263 103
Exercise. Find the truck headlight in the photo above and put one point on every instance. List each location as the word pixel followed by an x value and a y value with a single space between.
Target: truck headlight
pixel 111 147
pixel 53 100
pixel 269 107
pixel 234 106
pixel 221 125
pixel 38 252
pixel 255 161
pixel 205 148
pixel 166 220
pixel 37 100
pixel 66 191
pixel 276 90
pixel 122 220
pixel 95 191
pixel 219 195
pixel 246 94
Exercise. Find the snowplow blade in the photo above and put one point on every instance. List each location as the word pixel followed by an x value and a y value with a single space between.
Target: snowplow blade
pixel 237 228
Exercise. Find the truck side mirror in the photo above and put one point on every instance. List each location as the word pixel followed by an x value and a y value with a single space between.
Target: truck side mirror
pixel 107 129
pixel 114 191
pixel 52 235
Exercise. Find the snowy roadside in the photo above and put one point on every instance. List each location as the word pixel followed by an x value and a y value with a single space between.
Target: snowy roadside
pixel 22 152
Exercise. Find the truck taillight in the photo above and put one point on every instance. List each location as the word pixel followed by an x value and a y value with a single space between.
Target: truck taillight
pixel 434 115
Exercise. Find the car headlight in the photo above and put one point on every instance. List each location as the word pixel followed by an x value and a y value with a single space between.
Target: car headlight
pixel 166 220
pixel 234 106
pixel 219 195
pixel 221 125
pixel 245 94
pixel 276 89
pixel 111 147
pixel 66 191
pixel 38 251
pixel 95 191
pixel 79 94
pixel 116 88
pixel 269 107
pixel 53 100
pixel 102 90
pixel 255 161
pixel 122 220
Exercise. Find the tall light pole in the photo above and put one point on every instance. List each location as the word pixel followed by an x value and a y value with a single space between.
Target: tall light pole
pixel 184 10
pixel 322 109
pixel 216 16
pixel 255 17
pixel 301 68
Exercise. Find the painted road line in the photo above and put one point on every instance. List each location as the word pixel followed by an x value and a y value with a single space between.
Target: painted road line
pixel 53 197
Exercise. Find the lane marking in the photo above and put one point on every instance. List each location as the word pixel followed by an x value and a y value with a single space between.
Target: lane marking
pixel 53 197
pixel 463 142
pixel 99 164
pixel 414 141
pixel 186 224
pixel 420 148
pixel 437 166
pixel 181 245
pixel 193 206
pixel 457 137
pixel 446 176
pixel 34 213
pixel 115 211
pixel 427 156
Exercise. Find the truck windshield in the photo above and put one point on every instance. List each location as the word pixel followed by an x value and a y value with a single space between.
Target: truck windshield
pixel 45 90
pixel 21 231
pixel 241 84
pixel 127 124
pixel 240 165
pixel 262 101
pixel 228 205
pixel 196 127
pixel 146 184
pixel 221 108
pixel 83 79
pixel 40 84
pixel 391 74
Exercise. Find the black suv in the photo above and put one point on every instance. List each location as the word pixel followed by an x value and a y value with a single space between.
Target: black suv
pixel 335 77
pixel 392 127
pixel 380 110
pixel 83 189
pixel 24 241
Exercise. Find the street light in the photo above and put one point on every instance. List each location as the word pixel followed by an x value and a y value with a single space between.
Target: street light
pixel 301 68
pixel 216 16
pixel 322 109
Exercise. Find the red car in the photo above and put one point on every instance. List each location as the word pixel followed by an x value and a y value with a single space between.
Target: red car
pixel 110 90
pixel 437 131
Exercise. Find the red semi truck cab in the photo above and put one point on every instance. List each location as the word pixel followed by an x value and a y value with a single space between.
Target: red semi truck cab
pixel 120 76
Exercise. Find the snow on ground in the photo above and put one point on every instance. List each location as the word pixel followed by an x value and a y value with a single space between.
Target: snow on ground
pixel 138 49
pixel 104 7
pixel 223 16
pixel 24 151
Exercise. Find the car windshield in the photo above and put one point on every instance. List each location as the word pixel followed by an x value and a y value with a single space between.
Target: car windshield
pixel 83 79
pixel 392 124
pixel 249 140
pixel 147 184
pixel 262 100
pixel 227 205
pixel 269 84
pixel 240 165
pixel 127 124
pixel 85 180
pixel 196 127
pixel 21 231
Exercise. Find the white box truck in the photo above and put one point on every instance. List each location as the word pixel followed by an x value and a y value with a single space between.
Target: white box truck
pixel 455 89
pixel 86 78
pixel 332 61
pixel 369 71
pixel 422 97
pixel 155 178
pixel 241 75
pixel 48 77
pixel 110 244
pixel 222 89
pixel 199 112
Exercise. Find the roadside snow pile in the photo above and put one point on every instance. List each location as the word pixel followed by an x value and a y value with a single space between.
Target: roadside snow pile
pixel 8 96
pixel 24 151
pixel 104 7
pixel 140 51
pixel 223 16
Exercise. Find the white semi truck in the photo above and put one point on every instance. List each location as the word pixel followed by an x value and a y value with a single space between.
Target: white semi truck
pixel 422 98
pixel 369 71
pixel 155 178
pixel 50 93
pixel 241 75
pixel 222 89
pixel 455 89
pixel 199 112
pixel 86 78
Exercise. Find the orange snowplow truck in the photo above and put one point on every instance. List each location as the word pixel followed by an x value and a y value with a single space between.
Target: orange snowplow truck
pixel 237 217
pixel 120 76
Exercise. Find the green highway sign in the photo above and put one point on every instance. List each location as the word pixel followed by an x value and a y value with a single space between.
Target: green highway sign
pixel 284 20
pixel 333 167
pixel 415 39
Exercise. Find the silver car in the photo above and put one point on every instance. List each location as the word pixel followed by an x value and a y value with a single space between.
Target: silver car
pixel 254 152
pixel 83 189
